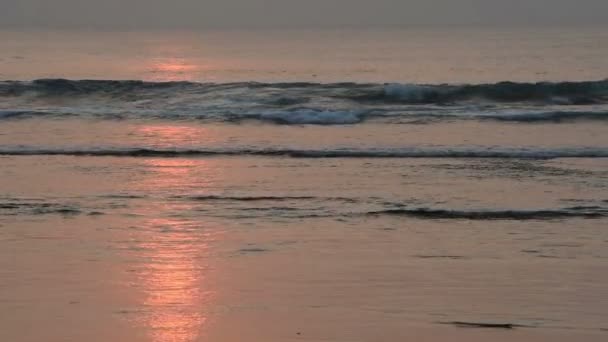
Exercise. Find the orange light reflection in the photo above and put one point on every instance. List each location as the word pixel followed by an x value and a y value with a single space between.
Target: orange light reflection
pixel 175 69
pixel 173 246
pixel 167 136
pixel 174 280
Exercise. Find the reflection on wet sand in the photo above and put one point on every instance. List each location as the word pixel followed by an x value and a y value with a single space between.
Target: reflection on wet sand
pixel 173 279
pixel 174 254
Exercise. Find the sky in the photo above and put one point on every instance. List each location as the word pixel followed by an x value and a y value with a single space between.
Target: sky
pixel 297 13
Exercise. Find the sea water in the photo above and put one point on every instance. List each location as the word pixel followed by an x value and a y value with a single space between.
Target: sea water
pixel 342 185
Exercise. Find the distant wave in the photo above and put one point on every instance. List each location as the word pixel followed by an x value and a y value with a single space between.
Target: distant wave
pixel 589 212
pixel 423 213
pixel 18 114
pixel 305 103
pixel 439 152
pixel 428 213
pixel 58 87
pixel 36 208
pixel 204 198
pixel 299 207
pixel 229 198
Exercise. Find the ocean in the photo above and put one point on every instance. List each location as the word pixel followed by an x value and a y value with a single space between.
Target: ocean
pixel 316 185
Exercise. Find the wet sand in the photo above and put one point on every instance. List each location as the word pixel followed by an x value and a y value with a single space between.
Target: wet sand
pixel 102 249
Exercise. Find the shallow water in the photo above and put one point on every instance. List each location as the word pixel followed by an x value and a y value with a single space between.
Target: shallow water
pixel 248 210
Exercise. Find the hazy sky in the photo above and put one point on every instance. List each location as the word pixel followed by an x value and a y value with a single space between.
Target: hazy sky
pixel 298 13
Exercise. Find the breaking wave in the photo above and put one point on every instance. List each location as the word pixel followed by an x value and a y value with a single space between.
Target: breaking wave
pixel 585 92
pixel 305 103
pixel 567 93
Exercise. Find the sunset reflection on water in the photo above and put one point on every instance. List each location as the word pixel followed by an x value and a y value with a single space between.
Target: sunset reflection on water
pixel 174 69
